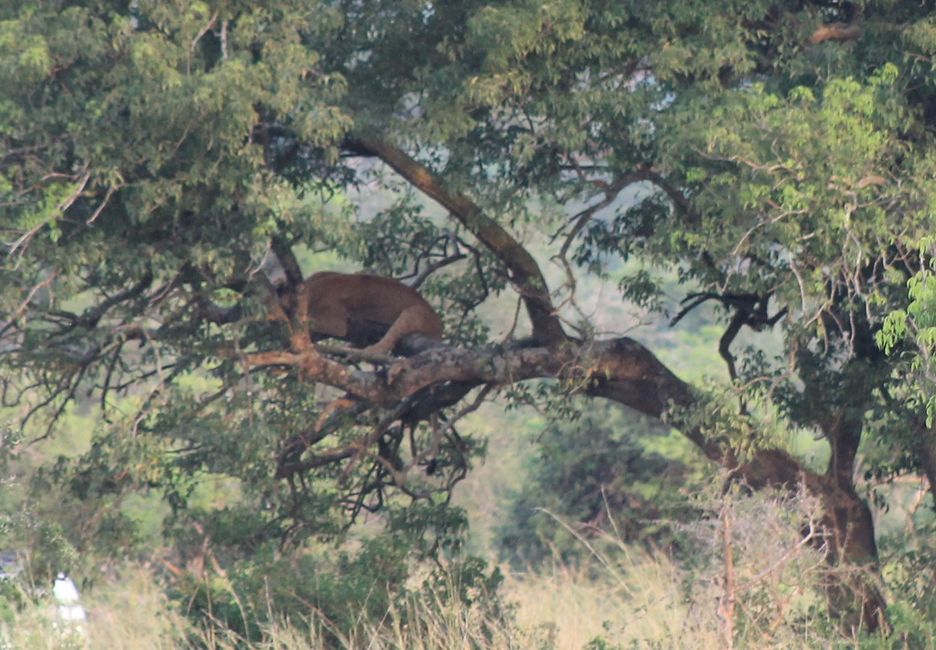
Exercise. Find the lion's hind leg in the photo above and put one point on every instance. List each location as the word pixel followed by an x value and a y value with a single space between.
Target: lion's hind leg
pixel 415 319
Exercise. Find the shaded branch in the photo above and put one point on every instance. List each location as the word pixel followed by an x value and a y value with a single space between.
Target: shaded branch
pixel 619 369
pixel 749 309
pixel 288 260
pixel 523 270
pixel 214 313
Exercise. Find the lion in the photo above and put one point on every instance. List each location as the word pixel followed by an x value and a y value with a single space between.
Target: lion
pixel 359 307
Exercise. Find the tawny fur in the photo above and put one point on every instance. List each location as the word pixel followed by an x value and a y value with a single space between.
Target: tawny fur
pixel 338 300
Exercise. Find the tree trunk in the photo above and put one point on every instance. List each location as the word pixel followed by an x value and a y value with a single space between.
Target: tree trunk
pixel 852 583
pixel 926 448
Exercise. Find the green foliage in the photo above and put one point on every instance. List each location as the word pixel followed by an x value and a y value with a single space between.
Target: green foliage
pixel 909 576
pixel 292 587
pixel 589 476
pixel 51 551
pixel 916 325
pixel 350 591
pixel 152 153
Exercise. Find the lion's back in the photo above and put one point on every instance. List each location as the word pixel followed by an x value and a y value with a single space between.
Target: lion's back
pixel 370 297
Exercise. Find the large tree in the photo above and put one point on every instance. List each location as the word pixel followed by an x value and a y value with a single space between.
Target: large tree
pixel 159 158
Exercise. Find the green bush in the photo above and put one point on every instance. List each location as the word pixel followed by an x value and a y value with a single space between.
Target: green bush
pixel 595 474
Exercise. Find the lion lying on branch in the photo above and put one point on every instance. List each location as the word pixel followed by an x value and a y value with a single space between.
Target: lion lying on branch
pixel 358 307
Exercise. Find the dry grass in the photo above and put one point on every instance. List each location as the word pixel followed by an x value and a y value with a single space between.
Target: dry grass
pixel 132 612
pixel 752 585
pixel 625 598
pixel 127 613
pixel 635 600
pixel 634 603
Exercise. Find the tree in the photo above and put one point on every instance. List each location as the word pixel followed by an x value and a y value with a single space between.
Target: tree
pixel 592 475
pixel 156 153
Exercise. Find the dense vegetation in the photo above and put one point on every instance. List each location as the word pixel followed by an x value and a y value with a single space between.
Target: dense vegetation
pixel 171 171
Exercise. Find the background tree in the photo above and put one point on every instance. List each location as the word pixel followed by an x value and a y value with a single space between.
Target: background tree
pixel 155 154
pixel 593 475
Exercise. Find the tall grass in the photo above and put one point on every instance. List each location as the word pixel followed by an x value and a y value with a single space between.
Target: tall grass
pixel 128 612
pixel 131 612
pixel 639 603
pixel 746 578
pixel 749 581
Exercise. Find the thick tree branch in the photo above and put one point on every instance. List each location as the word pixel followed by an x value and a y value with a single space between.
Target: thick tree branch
pixel 524 272
pixel 618 369
pixel 622 370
